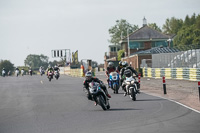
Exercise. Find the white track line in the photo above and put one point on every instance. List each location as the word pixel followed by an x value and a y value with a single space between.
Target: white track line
pixel 176 102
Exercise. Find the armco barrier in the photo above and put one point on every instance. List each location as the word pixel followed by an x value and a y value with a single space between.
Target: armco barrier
pixel 192 74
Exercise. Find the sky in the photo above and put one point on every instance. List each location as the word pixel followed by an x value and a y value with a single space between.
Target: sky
pixel 40 26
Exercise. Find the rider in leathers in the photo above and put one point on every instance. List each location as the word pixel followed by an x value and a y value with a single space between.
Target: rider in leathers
pixel 110 68
pixel 133 71
pixel 89 79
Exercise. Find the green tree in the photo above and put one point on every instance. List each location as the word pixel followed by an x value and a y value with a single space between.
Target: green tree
pixel 53 63
pixel 187 36
pixel 172 26
pixel 7 65
pixel 197 23
pixel 187 21
pixel 120 54
pixel 118 31
pixel 35 61
pixel 154 26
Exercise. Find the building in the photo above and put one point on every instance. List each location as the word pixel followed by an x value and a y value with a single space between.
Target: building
pixel 143 39
pixel 140 40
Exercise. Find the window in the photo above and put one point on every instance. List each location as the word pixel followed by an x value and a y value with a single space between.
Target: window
pixel 135 45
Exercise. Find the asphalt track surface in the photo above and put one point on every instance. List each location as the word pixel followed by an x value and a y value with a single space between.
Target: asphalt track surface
pixel 32 104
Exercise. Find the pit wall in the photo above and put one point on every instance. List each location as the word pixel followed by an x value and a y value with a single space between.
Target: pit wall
pixel 192 74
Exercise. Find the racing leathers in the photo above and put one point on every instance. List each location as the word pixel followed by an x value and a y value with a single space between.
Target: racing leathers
pixel 86 86
pixel 108 71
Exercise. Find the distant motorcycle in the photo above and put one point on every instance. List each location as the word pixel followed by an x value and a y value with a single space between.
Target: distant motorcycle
pixel 114 81
pixel 42 72
pixel 131 87
pixel 98 95
pixel 3 73
pixel 16 73
pixel 57 75
pixel 30 72
pixel 50 75
pixel 9 73
pixel 22 72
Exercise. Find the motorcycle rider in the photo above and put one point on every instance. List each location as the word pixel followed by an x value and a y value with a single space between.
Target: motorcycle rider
pixel 119 67
pixel 110 68
pixel 49 69
pixel 3 72
pixel 30 71
pixel 41 69
pixel 22 71
pixel 88 79
pixel 56 68
pixel 127 70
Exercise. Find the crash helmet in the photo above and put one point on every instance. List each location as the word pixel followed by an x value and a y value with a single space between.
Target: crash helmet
pixel 124 64
pixel 3 68
pixel 110 64
pixel 88 75
pixel 120 63
pixel 55 66
pixel 128 73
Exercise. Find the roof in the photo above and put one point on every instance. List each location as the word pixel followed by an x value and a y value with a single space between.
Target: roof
pixel 157 50
pixel 146 33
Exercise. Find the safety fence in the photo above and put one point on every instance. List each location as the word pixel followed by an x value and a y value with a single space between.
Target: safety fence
pixel 192 74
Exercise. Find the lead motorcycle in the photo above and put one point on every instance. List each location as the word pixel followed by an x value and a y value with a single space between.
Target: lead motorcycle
pixel 98 95
pixel 114 81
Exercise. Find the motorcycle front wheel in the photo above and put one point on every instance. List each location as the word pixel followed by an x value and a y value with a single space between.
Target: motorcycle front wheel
pixel 133 93
pixel 102 102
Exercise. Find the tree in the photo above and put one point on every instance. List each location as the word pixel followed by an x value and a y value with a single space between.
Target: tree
pixel 120 54
pixel 120 30
pixel 188 36
pixel 35 61
pixel 154 26
pixel 172 26
pixel 55 62
pixel 7 65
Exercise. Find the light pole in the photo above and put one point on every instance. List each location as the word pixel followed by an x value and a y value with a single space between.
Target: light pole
pixel 128 43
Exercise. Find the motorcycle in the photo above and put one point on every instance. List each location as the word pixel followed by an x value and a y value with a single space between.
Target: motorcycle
pixel 17 73
pixel 114 81
pixel 56 74
pixel 98 95
pixel 22 72
pixel 131 87
pixel 50 75
pixel 3 73
pixel 42 72
pixel 30 72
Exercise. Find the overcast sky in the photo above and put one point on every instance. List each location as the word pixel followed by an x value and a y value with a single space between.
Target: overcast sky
pixel 39 26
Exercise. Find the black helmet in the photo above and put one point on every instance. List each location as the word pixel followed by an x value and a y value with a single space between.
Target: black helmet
pixel 88 75
pixel 124 64
pixel 128 73
pixel 120 63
